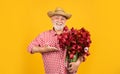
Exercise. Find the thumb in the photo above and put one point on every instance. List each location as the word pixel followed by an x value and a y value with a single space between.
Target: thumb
pixel 55 48
pixel 70 64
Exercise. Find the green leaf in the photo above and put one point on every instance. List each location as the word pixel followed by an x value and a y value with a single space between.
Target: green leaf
pixel 75 57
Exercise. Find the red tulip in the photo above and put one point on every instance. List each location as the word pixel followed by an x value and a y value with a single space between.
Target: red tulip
pixel 74 52
pixel 74 46
pixel 63 40
pixel 65 28
pixel 87 53
pixel 73 42
pixel 79 47
pixel 65 36
pixel 78 51
pixel 59 37
pixel 71 56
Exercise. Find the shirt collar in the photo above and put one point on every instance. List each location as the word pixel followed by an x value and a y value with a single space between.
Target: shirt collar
pixel 55 34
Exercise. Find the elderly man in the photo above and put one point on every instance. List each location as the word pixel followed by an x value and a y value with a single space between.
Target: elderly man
pixel 47 44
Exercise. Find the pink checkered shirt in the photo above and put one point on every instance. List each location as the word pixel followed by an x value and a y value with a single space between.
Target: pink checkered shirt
pixel 54 62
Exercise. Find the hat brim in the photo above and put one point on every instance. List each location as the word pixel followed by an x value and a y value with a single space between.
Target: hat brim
pixel 51 13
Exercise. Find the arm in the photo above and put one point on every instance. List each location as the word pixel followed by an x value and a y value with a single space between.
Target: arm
pixel 36 46
pixel 37 49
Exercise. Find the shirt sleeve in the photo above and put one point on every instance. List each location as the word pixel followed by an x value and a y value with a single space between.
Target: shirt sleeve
pixel 38 41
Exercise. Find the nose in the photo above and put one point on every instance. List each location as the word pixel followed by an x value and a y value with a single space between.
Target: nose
pixel 59 20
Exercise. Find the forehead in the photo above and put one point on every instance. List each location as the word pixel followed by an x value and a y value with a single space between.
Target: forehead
pixel 59 16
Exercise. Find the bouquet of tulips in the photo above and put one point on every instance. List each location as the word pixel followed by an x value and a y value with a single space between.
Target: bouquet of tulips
pixel 76 42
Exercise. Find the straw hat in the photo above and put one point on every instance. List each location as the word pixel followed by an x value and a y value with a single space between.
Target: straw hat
pixel 59 11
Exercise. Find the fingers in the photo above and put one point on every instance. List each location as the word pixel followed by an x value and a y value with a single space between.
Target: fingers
pixel 49 48
pixel 70 64
pixel 71 70
pixel 72 67
pixel 53 48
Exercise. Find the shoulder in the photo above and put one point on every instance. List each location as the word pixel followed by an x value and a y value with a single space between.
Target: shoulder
pixel 45 33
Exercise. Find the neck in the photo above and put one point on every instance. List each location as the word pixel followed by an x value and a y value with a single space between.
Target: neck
pixel 58 31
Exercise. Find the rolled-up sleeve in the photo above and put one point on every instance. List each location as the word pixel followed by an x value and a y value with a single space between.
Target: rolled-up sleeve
pixel 38 41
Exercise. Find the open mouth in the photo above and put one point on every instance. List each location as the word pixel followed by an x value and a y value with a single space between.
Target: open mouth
pixel 59 24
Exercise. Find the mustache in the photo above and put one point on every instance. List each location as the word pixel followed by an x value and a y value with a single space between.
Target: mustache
pixel 58 26
pixel 57 23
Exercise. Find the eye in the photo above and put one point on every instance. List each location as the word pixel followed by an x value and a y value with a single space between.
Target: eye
pixel 56 18
pixel 62 19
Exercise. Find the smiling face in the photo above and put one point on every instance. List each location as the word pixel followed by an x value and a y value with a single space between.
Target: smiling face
pixel 58 22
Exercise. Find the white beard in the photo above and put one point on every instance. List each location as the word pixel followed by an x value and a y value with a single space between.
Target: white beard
pixel 58 26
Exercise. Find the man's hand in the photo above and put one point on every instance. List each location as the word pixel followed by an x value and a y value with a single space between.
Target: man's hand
pixel 73 67
pixel 48 48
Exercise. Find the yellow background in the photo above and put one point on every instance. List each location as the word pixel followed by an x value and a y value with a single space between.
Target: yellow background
pixel 22 20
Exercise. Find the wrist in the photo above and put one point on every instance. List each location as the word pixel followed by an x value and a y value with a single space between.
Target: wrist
pixel 46 48
pixel 78 62
pixel 34 50
pixel 31 51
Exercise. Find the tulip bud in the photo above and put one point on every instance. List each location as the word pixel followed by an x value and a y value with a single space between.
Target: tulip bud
pixel 65 28
pixel 71 56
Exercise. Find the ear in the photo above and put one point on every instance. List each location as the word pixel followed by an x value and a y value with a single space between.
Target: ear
pixel 52 17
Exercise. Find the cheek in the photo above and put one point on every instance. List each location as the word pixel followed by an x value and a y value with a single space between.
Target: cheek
pixel 53 20
pixel 64 22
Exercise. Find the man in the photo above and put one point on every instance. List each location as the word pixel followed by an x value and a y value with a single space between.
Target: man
pixel 47 44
